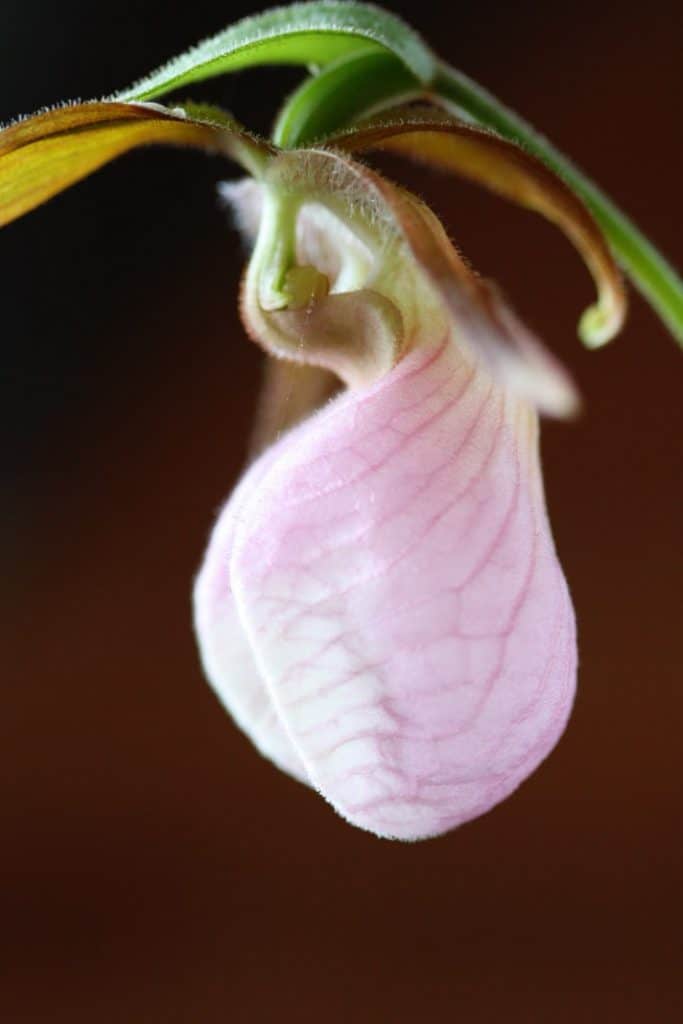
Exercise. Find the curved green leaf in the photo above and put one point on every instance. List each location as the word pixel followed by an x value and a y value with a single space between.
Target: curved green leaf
pixel 307 33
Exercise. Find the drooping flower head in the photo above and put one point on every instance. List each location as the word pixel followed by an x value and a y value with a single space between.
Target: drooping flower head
pixel 381 607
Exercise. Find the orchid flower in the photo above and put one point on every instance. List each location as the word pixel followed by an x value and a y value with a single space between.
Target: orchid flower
pixel 381 607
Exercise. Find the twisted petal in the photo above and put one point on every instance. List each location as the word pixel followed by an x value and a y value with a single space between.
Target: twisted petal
pixel 410 633
pixel 42 155
pixel 434 137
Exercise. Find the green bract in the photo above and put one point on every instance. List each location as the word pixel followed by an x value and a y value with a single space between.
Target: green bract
pixel 312 33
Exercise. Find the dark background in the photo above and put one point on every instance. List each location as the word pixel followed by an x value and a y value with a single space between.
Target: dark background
pixel 152 867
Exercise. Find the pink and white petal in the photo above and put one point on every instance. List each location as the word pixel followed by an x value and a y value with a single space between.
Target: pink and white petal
pixel 225 651
pixel 395 574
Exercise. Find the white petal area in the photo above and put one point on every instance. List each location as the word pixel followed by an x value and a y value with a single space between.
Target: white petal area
pixel 226 654
pixel 395 573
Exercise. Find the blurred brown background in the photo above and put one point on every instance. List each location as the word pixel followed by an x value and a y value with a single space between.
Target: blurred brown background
pixel 152 867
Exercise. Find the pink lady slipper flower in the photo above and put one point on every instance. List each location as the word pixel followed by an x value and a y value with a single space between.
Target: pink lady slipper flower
pixel 381 607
